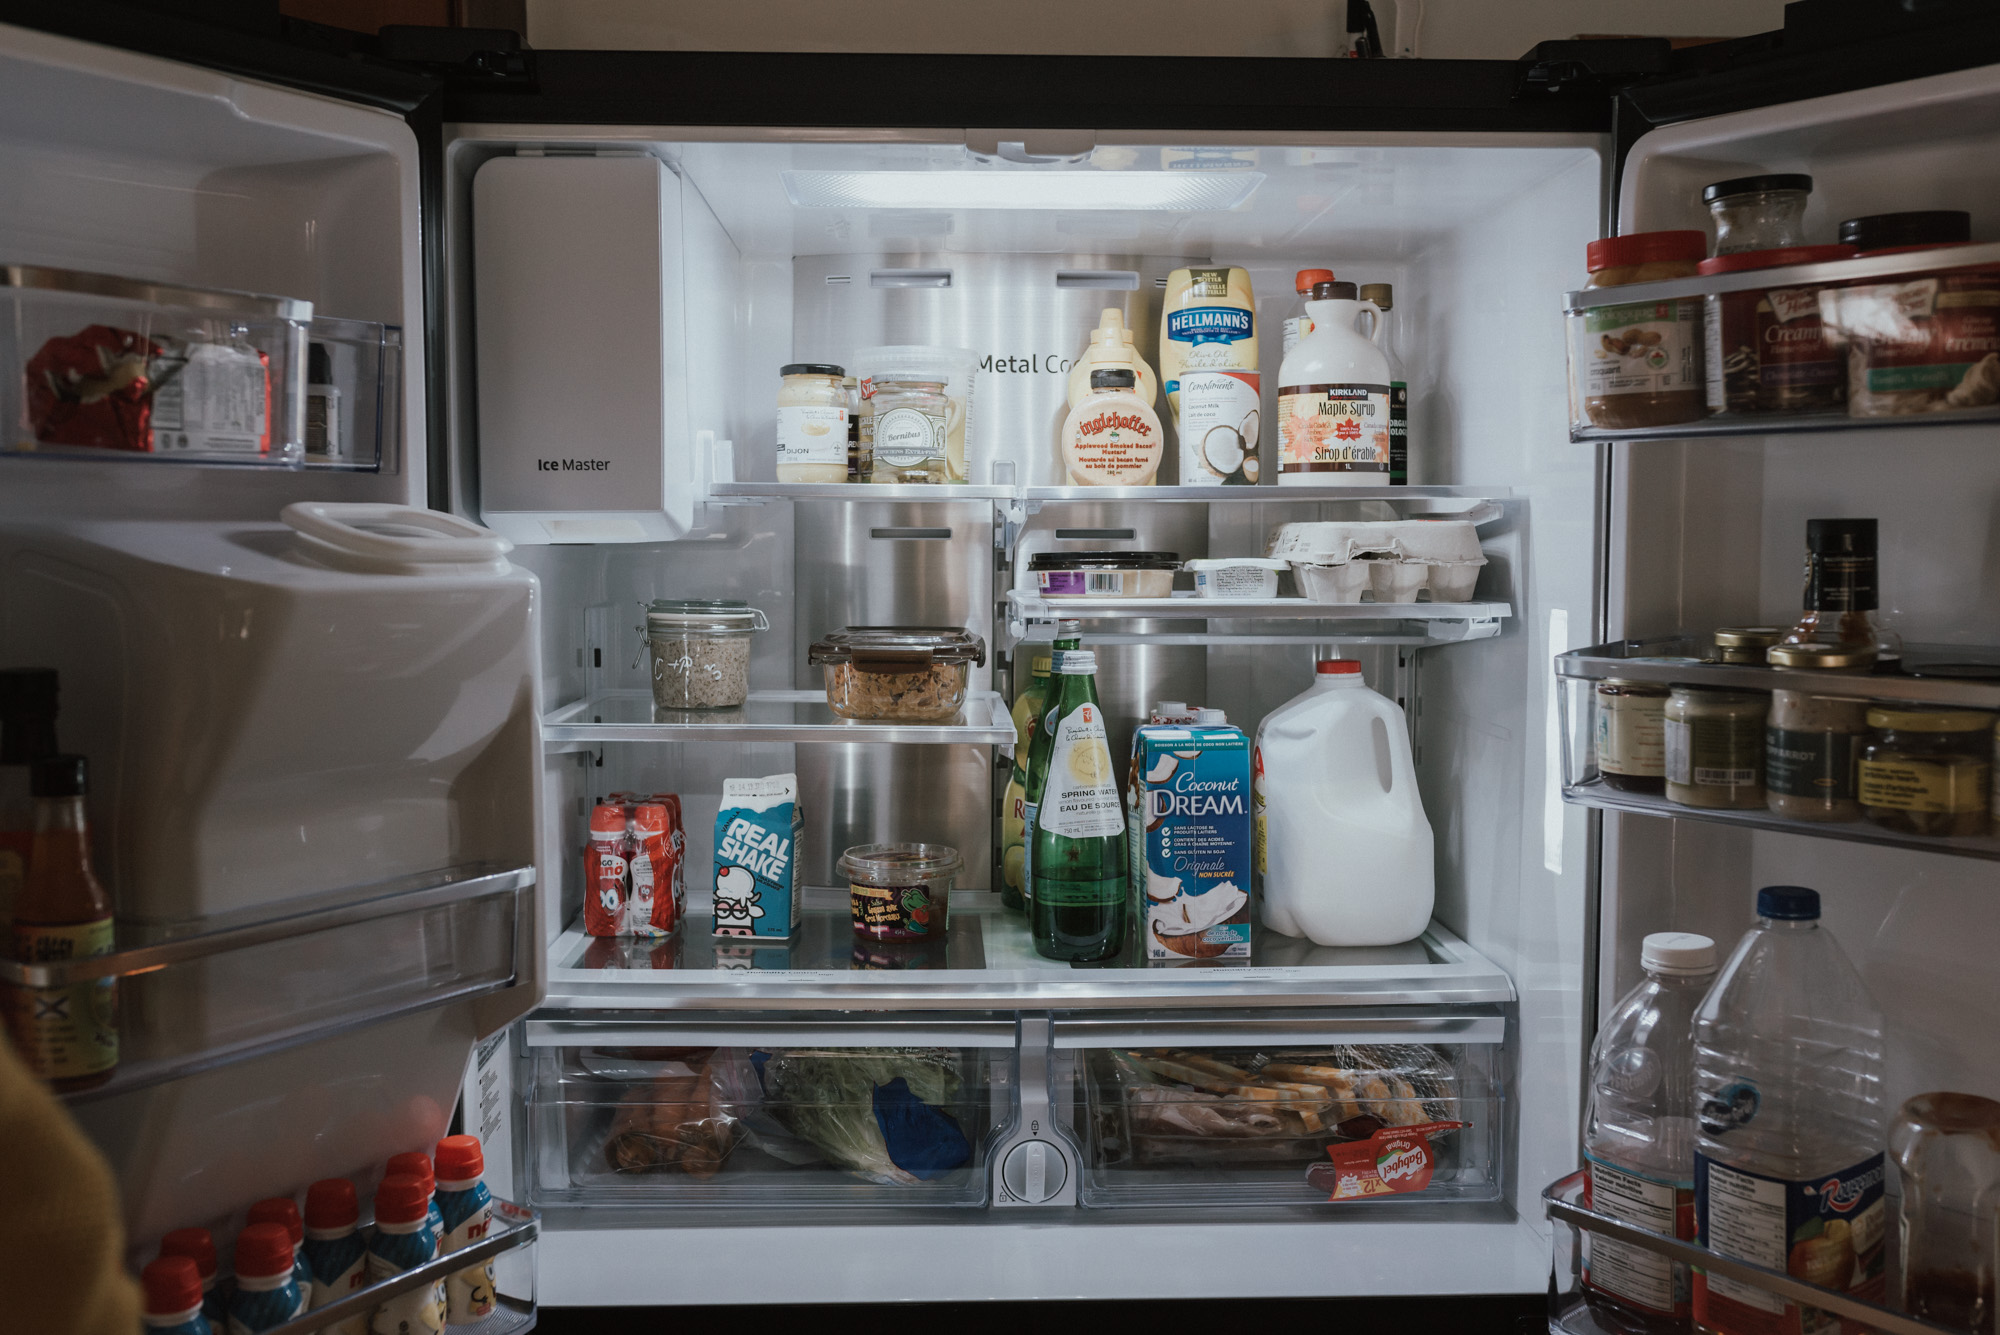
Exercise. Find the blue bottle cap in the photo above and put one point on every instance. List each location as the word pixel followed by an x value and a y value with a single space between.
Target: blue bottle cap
pixel 1792 902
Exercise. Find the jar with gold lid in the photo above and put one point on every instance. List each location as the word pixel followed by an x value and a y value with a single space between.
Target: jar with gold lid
pixel 1813 741
pixel 1745 645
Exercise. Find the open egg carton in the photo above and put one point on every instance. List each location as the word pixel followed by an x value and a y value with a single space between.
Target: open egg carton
pixel 1392 561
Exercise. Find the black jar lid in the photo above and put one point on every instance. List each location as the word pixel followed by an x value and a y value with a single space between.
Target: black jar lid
pixel 814 368
pixel 1753 185
pixel 1921 227
pixel 1105 561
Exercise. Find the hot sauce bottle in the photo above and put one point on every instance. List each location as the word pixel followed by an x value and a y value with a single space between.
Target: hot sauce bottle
pixel 68 1035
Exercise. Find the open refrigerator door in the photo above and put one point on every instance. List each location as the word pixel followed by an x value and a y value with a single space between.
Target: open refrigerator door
pixel 307 708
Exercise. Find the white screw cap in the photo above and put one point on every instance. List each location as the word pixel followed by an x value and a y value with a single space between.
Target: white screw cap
pixel 1683 954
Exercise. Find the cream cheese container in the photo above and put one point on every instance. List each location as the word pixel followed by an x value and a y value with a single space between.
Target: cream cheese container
pixel 1236 576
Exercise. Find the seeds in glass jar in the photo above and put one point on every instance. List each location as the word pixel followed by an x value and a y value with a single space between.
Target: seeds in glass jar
pixel 700 671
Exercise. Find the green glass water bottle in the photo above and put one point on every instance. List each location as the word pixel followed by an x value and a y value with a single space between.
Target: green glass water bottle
pixel 1069 635
pixel 1077 909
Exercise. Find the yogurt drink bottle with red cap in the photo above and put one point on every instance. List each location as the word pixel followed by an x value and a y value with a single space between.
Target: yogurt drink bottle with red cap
pixel 418 1164
pixel 336 1256
pixel 1790 1116
pixel 198 1246
pixel 1638 1138
pixel 467 1208
pixel 403 1241
pixel 266 1294
pixel 173 1297
pixel 284 1210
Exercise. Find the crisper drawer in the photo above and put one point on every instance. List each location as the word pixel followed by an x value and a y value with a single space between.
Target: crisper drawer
pixel 1348 1109
pixel 652 1112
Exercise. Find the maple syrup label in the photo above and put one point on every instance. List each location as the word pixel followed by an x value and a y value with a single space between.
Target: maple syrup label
pixel 65 1032
pixel 1334 429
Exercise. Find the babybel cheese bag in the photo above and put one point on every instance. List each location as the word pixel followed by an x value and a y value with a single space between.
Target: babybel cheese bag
pixel 1394 1160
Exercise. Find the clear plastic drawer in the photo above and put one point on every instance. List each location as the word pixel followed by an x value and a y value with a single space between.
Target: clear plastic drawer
pixel 806 1114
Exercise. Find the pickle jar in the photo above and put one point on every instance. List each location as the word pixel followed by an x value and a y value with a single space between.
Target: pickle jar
pixel 1927 771
pixel 1715 748
pixel 1813 741
pixel 1631 744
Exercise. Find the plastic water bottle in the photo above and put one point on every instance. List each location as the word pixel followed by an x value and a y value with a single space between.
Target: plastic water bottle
pixel 173 1297
pixel 1638 1137
pixel 1789 1105
pixel 467 1208
pixel 284 1210
pixel 265 1294
pixel 336 1256
pixel 403 1241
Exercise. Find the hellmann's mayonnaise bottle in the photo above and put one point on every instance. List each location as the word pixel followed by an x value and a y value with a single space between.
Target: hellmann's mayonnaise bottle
pixel 1208 366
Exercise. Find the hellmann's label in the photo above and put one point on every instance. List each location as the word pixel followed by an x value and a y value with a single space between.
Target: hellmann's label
pixel 1188 828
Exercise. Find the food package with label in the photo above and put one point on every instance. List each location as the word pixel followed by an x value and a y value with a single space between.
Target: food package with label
pixel 1392 561
pixel 1269 1106
pixel 634 882
pixel 672 1118
pixel 1928 343
pixel 1187 801
pixel 757 888
pixel 116 389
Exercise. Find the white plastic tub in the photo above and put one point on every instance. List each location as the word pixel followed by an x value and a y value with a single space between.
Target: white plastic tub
pixel 1236 576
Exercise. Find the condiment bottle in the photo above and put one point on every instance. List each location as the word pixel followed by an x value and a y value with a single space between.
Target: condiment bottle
pixel 1631 735
pixel 404 1239
pixel 267 1294
pixel 1758 212
pixel 1639 365
pixel 67 1035
pixel 173 1297
pixel 1028 707
pixel 1298 326
pixel 1383 297
pixel 1111 438
pixel 1208 322
pixel 335 1253
pixel 1927 771
pixel 1333 397
pixel 1812 742
pixel 1947 1149
pixel 1840 590
pixel 1111 349
pixel 467 1209
pixel 27 733
pixel 812 423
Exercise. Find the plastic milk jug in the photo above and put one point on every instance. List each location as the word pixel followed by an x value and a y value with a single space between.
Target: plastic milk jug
pixel 1342 844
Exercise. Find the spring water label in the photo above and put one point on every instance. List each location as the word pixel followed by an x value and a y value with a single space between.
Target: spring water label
pixel 1828 1230
pixel 1081 799
pixel 468 1218
pixel 1639 1277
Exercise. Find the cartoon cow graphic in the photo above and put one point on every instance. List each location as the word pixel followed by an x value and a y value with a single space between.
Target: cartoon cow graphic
pixel 736 907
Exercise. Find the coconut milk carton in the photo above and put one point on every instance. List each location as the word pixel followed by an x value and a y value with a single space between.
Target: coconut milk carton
pixel 1187 804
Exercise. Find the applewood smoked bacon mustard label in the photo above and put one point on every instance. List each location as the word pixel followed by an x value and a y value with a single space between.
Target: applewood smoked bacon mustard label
pixel 1334 429
pixel 1114 443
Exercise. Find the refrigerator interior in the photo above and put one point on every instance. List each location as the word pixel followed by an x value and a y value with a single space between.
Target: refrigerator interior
pixel 1708 533
pixel 1474 231
pixel 318 990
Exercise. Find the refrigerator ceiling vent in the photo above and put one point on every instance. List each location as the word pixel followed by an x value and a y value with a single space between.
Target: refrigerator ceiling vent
pixel 1146 191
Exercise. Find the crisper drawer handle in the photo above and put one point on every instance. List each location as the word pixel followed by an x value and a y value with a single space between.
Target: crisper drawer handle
pixel 722 1033
pixel 438 537
pixel 1092 1032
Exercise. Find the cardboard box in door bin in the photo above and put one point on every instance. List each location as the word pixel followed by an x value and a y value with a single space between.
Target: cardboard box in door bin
pixel 757 888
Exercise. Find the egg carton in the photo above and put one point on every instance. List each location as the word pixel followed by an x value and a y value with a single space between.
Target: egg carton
pixel 1394 561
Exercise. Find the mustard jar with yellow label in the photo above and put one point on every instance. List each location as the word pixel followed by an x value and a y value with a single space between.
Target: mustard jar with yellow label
pixel 1927 771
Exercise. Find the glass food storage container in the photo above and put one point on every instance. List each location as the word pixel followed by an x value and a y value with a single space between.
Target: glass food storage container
pixel 1758 212
pixel 1767 350
pixel 917 413
pixel 1812 742
pixel 701 651
pixel 1927 771
pixel 900 892
pixel 1947 1151
pixel 1631 735
pixel 1636 364
pixel 1715 747
pixel 901 674
pixel 812 423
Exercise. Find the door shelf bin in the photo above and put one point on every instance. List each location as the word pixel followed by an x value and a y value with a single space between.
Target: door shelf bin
pixel 1572 1223
pixel 94 366
pixel 221 990
pixel 1241 1113
pixel 359 427
pixel 509 1248
pixel 742 1115
pixel 1677 661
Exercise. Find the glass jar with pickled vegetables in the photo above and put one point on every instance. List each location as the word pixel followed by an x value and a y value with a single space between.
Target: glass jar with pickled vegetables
pixel 1927 771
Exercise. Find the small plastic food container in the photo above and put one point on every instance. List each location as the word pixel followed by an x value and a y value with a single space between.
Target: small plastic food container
pixel 899 674
pixel 1105 574
pixel 1236 576
pixel 701 651
pixel 900 892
